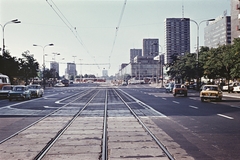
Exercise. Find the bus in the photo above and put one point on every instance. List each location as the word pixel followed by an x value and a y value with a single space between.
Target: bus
pixel 4 80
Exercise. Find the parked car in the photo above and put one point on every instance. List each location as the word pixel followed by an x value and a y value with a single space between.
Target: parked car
pixel 36 90
pixel 5 90
pixel 231 85
pixel 236 88
pixel 169 87
pixel 19 92
pixel 180 89
pixel 211 92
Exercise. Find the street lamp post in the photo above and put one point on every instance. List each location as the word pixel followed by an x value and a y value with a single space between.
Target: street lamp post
pixel 43 48
pixel 80 69
pixel 3 27
pixel 197 51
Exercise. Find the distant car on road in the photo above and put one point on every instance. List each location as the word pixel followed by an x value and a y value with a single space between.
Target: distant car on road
pixel 124 83
pixel 231 85
pixel 19 92
pixel 36 90
pixel 211 92
pixel 59 85
pixel 180 89
pixel 169 87
pixel 236 88
pixel 5 90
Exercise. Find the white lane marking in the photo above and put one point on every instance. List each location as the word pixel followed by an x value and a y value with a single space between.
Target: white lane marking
pixel 175 102
pixel 234 106
pixel 192 98
pixel 15 104
pixel 164 98
pixel 59 101
pixel 144 105
pixel 221 115
pixel 193 107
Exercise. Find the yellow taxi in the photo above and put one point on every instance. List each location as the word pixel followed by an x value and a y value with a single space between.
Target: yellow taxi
pixel 211 92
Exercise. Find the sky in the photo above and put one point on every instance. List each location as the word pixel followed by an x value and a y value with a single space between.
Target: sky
pixel 98 34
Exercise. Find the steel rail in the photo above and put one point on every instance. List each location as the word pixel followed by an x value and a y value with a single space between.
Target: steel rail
pixel 43 152
pixel 146 128
pixel 51 113
pixel 104 144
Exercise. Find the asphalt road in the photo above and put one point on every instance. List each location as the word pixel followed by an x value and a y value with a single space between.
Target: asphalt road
pixel 205 130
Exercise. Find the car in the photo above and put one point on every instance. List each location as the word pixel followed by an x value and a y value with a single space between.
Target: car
pixel 36 90
pixel 60 84
pixel 19 92
pixel 211 92
pixel 169 87
pixel 124 83
pixel 5 90
pixel 231 86
pixel 236 88
pixel 180 89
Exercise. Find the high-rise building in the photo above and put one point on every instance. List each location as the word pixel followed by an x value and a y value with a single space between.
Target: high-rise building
pixel 55 66
pixel 150 47
pixel 105 73
pixel 71 70
pixel 177 37
pixel 218 32
pixel 134 53
pixel 235 19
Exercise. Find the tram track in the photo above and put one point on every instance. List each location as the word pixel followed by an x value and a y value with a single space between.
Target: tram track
pixel 116 132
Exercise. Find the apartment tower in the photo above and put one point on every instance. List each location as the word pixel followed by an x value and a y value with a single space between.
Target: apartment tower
pixel 177 37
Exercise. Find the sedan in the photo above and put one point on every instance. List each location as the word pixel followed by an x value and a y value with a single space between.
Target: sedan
pixel 19 92
pixel 211 92
pixel 231 86
pixel 180 89
pixel 5 90
pixel 36 90
pixel 237 88
pixel 59 85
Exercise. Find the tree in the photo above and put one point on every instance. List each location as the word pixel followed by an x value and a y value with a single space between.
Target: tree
pixel 235 72
pixel 28 67
pixel 7 62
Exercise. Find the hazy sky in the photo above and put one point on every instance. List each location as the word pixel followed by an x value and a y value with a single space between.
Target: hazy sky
pixel 87 28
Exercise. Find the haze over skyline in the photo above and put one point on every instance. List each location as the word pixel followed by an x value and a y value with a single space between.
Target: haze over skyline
pixel 95 31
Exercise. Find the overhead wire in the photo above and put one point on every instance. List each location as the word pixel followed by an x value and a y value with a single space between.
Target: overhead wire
pixel 116 31
pixel 72 29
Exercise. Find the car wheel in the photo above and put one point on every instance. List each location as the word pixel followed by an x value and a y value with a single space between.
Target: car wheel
pixel 202 99
pixel 185 94
pixel 174 95
pixel 10 99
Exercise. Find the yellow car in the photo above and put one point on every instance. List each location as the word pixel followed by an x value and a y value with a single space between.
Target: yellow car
pixel 211 92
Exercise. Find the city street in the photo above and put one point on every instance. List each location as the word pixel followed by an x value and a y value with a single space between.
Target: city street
pixel 189 128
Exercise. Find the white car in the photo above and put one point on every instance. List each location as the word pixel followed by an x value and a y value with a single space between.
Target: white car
pixel 231 85
pixel 236 88
pixel 59 85
pixel 36 90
